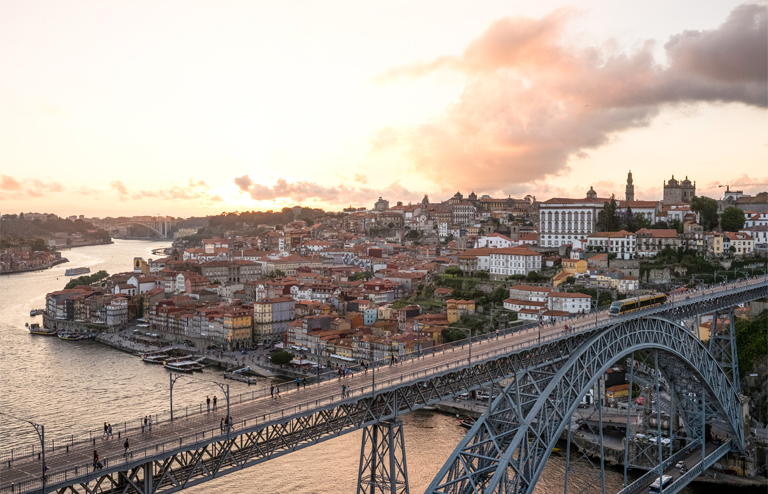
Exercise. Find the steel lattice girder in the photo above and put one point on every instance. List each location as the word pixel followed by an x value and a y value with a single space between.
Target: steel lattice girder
pixel 529 371
pixel 175 470
pixel 505 451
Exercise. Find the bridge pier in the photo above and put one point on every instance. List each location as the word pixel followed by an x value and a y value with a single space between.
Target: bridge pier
pixel 382 459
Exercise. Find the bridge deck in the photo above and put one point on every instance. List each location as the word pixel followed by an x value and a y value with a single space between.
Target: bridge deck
pixel 189 432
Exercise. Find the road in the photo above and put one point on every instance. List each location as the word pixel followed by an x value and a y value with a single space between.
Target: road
pixel 292 401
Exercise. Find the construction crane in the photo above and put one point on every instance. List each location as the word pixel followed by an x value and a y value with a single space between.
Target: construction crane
pixel 728 186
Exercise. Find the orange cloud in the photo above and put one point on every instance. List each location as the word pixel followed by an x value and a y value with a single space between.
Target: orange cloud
pixel 9 183
pixel 534 103
pixel 302 191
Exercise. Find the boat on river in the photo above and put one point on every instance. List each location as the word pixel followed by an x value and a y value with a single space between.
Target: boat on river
pixel 155 358
pixel 35 328
pixel 36 312
pixel 76 336
pixel 76 271
pixel 187 366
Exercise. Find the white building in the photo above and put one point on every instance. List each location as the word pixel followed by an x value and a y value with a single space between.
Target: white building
pixel 752 218
pixel 117 312
pixel 561 220
pixel 573 303
pixel 496 241
pixel 622 243
pixel 514 260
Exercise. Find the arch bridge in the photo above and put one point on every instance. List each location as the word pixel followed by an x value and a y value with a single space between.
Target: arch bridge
pixel 539 374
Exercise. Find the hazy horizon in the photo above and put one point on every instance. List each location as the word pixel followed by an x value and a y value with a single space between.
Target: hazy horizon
pixel 190 109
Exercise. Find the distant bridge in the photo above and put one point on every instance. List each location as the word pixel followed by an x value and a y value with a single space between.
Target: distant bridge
pixel 159 225
pixel 539 373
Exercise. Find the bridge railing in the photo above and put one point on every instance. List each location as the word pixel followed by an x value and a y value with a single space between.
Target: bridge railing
pixel 700 467
pixel 89 437
pixel 641 484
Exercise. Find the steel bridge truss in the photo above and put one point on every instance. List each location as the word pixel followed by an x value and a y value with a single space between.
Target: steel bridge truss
pixel 382 460
pixel 506 450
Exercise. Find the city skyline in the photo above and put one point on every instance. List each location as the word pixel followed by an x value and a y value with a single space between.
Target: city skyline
pixel 189 110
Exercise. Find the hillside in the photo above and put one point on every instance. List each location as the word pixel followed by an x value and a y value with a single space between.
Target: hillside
pixel 15 232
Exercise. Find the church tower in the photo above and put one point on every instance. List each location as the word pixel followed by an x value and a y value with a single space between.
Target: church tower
pixel 630 194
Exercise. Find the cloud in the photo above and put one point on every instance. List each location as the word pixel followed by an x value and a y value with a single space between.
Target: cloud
pixel 194 191
pixel 303 191
pixel 535 103
pixel 9 183
pixel 360 178
pixel 84 190
pixel 120 188
pixel 244 182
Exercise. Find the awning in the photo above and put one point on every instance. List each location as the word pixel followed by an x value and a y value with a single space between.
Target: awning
pixel 346 359
pixel 297 361
pixel 279 345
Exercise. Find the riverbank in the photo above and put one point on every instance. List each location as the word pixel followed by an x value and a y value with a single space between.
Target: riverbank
pixel 38 268
pixel 91 244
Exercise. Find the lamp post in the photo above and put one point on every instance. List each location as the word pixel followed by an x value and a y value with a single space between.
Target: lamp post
pixel 467 332
pixel 40 430
pixel 224 388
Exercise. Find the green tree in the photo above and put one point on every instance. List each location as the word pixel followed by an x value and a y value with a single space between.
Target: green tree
pixel 499 295
pixel 412 235
pixel 281 358
pixel 707 209
pixel 277 273
pixel 732 219
pixel 483 275
pixel 454 271
pixel 452 334
pixel 38 244
pixel 607 221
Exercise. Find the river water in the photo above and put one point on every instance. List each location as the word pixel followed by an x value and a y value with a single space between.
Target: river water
pixel 76 386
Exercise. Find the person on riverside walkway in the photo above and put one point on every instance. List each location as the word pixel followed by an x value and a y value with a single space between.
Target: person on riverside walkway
pixel 105 430
pixel 125 444
pixel 144 426
pixel 272 391
pixel 215 406
pixel 208 403
pixel 277 391
pixel 304 382
pixel 150 423
pixel 109 432
pixel 298 383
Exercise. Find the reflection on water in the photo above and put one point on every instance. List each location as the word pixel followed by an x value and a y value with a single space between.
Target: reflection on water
pixel 75 386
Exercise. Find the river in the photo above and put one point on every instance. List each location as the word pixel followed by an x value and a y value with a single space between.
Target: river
pixel 76 386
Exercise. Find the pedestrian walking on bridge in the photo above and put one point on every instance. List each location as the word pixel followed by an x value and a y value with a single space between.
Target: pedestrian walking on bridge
pixel 208 403
pixel 298 383
pixel 125 444
pixel 215 407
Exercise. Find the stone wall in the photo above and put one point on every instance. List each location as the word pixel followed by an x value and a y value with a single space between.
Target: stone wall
pixel 628 267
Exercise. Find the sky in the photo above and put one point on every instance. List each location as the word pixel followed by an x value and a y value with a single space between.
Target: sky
pixel 189 108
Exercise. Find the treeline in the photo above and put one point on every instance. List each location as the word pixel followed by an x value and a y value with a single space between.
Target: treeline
pixel 271 218
pixel 87 279
pixel 16 231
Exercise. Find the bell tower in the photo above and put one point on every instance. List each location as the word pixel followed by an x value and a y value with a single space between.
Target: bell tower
pixel 630 193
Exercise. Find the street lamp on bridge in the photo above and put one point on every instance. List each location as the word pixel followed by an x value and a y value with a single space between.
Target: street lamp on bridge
pixel 224 388
pixel 40 430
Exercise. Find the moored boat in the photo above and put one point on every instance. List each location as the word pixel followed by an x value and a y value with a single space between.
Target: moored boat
pixel 35 328
pixel 187 366
pixel 69 336
pixel 156 358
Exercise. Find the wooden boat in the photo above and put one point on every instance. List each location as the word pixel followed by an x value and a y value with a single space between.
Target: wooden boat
pixel 69 336
pixel 157 358
pixel 187 366
pixel 40 331
pixel 467 422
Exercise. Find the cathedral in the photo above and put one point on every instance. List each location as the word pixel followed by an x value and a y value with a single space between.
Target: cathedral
pixel 679 191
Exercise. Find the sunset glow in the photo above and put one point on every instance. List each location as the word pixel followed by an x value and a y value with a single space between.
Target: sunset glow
pixel 193 108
